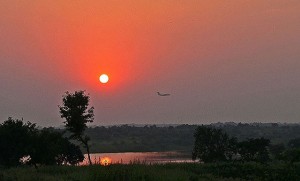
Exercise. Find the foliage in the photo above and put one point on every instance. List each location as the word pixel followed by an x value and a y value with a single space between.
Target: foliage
pixel 77 114
pixel 71 155
pixel 212 145
pixel 127 138
pixel 14 141
pixel 42 147
pixel 254 150
pixel 164 172
pixel 291 155
pixel 276 150
pixel 294 143
pixel 124 138
pixel 277 133
pixel 50 147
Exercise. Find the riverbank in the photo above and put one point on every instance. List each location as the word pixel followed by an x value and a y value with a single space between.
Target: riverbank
pixel 156 172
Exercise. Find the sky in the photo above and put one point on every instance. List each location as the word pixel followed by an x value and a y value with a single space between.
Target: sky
pixel 234 60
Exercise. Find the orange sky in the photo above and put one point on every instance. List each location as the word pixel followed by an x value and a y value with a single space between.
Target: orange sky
pixel 221 60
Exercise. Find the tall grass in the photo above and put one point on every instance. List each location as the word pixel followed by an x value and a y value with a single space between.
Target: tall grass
pixel 156 172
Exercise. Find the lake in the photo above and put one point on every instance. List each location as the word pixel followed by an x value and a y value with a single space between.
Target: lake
pixel 138 157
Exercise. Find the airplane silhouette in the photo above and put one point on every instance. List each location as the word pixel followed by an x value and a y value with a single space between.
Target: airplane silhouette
pixel 160 94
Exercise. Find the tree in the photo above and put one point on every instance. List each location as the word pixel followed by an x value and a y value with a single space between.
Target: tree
pixel 77 114
pixel 277 150
pixel 294 143
pixel 212 145
pixel 72 154
pixel 14 141
pixel 291 155
pixel 20 140
pixel 49 147
pixel 254 150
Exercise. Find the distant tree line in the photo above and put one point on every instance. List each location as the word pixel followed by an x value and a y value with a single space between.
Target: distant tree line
pixel 276 132
pixel 214 145
pixel 124 138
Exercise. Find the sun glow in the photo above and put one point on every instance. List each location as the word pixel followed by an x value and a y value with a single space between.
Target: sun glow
pixel 103 78
pixel 105 161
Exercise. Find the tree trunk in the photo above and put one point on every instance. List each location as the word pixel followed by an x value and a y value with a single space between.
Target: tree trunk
pixel 88 152
pixel 86 145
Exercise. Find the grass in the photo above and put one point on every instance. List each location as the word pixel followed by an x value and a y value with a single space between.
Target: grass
pixel 162 172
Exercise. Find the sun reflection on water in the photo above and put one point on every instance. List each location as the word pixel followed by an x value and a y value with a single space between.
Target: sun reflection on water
pixel 105 161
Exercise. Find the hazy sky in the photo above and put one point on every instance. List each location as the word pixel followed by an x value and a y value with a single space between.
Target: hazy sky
pixel 233 60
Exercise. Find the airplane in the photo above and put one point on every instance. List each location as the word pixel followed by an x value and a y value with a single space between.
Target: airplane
pixel 160 94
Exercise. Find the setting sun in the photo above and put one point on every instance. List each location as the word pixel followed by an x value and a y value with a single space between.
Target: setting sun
pixel 103 78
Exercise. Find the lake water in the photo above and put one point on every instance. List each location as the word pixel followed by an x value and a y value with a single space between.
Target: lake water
pixel 138 157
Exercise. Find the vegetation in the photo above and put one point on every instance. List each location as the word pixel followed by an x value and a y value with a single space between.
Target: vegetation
pixel 41 147
pixel 212 145
pixel 222 155
pixel 126 138
pixel 166 172
pixel 15 141
pixel 254 150
pixel 49 147
pixel 77 114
